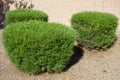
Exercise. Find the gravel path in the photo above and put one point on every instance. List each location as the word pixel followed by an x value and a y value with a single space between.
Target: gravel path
pixel 93 65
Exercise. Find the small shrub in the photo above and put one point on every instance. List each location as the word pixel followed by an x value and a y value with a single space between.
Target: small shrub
pixel 38 46
pixel 96 30
pixel 19 15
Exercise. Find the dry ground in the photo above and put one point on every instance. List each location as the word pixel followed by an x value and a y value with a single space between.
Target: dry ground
pixel 93 65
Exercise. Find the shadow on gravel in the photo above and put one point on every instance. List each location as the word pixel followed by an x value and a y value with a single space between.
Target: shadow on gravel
pixel 78 53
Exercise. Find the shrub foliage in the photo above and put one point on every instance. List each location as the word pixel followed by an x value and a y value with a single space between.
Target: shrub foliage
pixel 36 47
pixel 95 29
pixel 25 15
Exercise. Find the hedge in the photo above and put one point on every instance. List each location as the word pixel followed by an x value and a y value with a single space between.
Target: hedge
pixel 95 30
pixel 19 15
pixel 35 47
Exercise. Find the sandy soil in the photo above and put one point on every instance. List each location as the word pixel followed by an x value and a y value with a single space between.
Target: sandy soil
pixel 94 65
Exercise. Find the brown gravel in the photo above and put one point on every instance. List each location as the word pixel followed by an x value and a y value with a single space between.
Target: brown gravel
pixel 94 65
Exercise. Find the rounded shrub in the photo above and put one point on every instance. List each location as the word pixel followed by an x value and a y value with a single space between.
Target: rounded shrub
pixel 19 15
pixel 95 30
pixel 36 47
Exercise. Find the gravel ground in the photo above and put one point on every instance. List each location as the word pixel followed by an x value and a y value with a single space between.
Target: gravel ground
pixel 93 65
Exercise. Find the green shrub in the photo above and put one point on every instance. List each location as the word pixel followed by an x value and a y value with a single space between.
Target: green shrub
pixel 39 46
pixel 19 15
pixel 96 30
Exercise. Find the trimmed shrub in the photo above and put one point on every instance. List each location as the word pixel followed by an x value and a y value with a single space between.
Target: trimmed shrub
pixel 36 47
pixel 19 15
pixel 96 30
